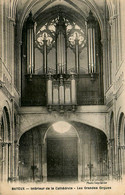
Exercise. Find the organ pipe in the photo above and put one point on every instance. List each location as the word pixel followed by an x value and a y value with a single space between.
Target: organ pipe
pixel 45 55
pixel 61 91
pixel 61 47
pixel 30 45
pixel 91 43
pixel 73 89
pixel 77 54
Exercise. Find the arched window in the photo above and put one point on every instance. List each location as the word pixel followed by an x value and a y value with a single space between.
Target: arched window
pixel 47 39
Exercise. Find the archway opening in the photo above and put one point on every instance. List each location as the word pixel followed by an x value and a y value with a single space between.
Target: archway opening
pixel 62 152
pixel 5 147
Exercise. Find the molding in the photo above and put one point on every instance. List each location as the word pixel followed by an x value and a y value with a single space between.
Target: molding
pixel 2 84
pixel 12 20
pixel 5 91
pixel 5 66
pixel 119 91
pixel 109 104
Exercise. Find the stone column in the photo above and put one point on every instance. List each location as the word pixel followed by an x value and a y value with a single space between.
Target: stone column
pixel 3 163
pixel 83 159
pixel 1 160
pixel 16 161
pixel 1 36
pixel 11 48
pixel 10 162
pixel 44 161
pixel 79 160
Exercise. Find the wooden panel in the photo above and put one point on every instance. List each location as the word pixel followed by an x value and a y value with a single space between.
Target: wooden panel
pixel 89 91
pixel 34 93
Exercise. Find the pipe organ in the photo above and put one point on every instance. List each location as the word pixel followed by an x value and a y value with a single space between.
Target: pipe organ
pixel 62 34
pixel 61 88
pixel 61 92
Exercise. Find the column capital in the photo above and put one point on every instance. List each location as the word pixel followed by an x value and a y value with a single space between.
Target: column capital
pixel 112 19
pixel 17 145
pixel 12 20
pixel 73 75
pixel 103 41
pixel 49 75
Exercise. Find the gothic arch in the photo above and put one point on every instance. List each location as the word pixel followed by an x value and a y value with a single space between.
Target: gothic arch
pixel 44 6
pixel 50 127
pixel 5 154
pixel 26 124
pixel 121 144
pixel 121 127
pixel 38 138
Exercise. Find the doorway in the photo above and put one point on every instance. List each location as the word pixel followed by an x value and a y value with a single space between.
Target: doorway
pixel 62 159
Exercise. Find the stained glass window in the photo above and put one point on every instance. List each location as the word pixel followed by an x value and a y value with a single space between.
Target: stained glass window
pixel 73 31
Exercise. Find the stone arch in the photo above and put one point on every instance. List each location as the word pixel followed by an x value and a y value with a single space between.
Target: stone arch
pixel 28 121
pixel 7 121
pixel 121 145
pixel 121 139
pixel 118 117
pixel 91 5
pixel 88 139
pixel 5 149
pixel 6 104
pixel 50 127
pixel 112 145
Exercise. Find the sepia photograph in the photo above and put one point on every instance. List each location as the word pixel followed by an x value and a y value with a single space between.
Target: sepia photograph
pixel 62 97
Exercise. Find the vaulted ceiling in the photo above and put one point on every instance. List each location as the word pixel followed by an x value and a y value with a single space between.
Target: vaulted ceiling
pixel 69 6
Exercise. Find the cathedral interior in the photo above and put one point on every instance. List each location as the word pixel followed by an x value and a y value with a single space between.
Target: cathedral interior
pixel 62 90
